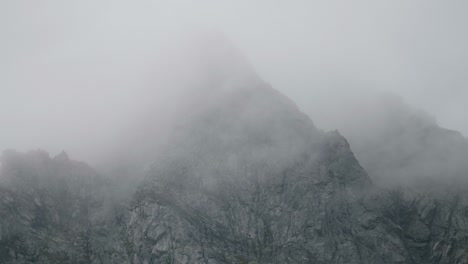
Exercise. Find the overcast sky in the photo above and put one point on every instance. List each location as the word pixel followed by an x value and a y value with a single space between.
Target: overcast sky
pixel 75 60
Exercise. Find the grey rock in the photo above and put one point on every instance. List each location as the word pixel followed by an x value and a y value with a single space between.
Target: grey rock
pixel 246 179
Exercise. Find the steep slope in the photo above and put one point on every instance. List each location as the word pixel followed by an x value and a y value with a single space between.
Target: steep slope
pixel 53 210
pixel 258 183
pixel 244 177
pixel 398 144
pixel 243 182
pixel 422 165
pixel 249 179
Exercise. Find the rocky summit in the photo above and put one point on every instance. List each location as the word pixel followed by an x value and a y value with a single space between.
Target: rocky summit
pixel 245 178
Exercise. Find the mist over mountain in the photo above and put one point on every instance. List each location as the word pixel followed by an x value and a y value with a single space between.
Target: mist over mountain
pixel 234 172
pixel 396 143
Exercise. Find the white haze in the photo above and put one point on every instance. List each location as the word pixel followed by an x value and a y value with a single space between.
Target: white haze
pixel 74 75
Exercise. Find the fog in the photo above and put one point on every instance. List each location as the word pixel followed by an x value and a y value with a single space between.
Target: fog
pixel 76 75
pixel 210 131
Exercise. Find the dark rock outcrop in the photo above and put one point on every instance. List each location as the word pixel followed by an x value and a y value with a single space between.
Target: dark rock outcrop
pixel 246 178
pixel 54 210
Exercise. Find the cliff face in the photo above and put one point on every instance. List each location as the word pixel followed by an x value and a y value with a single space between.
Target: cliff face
pixel 278 190
pixel 250 182
pixel 53 210
pixel 245 178
pixel 398 144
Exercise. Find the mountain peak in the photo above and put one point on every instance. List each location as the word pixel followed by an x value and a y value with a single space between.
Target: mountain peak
pixel 216 50
pixel 214 61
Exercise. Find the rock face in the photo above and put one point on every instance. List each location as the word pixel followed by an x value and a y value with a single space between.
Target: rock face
pixel 261 188
pixel 53 210
pixel 398 144
pixel 247 178
pixel 277 190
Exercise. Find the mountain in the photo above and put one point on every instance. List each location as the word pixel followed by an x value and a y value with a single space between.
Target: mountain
pixel 53 210
pixel 397 144
pixel 242 182
pixel 400 145
pixel 244 177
